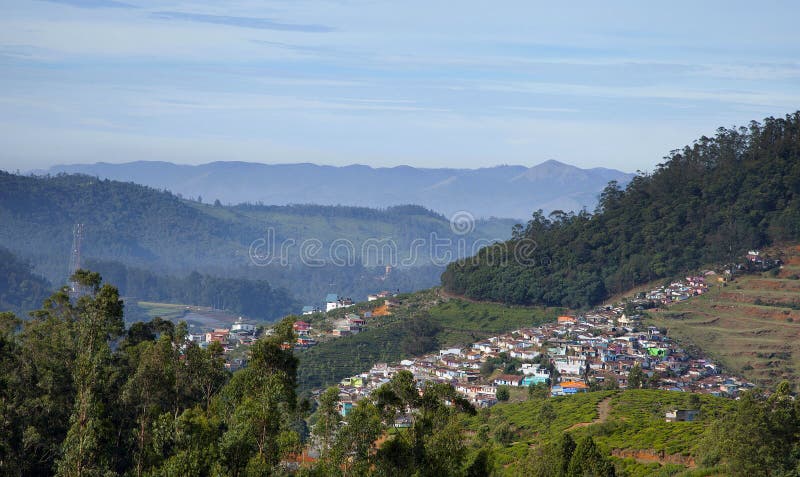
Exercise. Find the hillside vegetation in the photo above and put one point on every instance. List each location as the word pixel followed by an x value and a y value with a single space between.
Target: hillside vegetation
pixel 707 203
pixel 422 322
pixel 751 325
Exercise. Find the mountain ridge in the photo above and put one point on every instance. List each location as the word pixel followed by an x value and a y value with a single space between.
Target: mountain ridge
pixel 515 190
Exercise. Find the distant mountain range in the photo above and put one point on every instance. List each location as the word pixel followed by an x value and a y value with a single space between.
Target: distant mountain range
pixel 502 191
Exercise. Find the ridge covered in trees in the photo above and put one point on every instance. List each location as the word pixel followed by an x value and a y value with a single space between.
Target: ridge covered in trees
pixel 145 228
pixel 707 203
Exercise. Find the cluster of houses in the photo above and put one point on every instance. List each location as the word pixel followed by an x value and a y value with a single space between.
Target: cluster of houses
pixel 572 355
pixel 350 324
pixel 241 333
pixel 335 302
pixel 680 290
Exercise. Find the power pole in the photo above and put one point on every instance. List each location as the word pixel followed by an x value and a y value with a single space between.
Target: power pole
pixel 75 258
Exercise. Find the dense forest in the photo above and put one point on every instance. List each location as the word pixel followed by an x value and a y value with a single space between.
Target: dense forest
pixel 20 289
pixel 155 230
pixel 706 204
pixel 253 298
pixel 82 396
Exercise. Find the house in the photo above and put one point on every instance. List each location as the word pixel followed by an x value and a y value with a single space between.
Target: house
pixel 197 337
pixel 509 380
pixel 305 342
pixel 334 302
pixel 219 335
pixel 570 364
pixel 532 379
pixel 310 310
pixel 681 415
pixel 241 325
pixel 345 407
pixel 565 320
pixel 301 328
pixel 568 387
pixel 376 296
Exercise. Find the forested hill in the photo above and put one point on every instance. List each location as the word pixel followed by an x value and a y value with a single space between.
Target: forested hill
pixel 20 289
pixel 157 231
pixel 707 203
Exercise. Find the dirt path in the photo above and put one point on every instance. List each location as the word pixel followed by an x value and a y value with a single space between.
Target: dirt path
pixel 603 411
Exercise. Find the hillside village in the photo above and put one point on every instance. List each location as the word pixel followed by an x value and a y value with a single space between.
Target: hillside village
pixel 593 350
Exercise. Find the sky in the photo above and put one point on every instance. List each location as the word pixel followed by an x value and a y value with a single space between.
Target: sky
pixel 423 83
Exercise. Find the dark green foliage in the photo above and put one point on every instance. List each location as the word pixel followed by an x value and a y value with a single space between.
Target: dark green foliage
pixel 707 203
pixel 419 335
pixel 588 461
pixel 253 298
pixel 761 438
pixel 635 377
pixel 20 289
pixel 503 393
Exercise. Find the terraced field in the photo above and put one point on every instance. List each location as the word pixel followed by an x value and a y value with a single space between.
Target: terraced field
pixel 751 325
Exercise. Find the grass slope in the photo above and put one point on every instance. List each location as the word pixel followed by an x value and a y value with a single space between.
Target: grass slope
pixel 457 322
pixel 751 326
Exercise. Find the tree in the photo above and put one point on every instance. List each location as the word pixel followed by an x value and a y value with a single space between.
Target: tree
pixel 587 461
pixel 546 413
pixel 11 423
pixel 356 440
pixel 564 450
pixel 760 438
pixel 328 419
pixel 538 391
pixel 502 393
pixel 100 322
pixel 635 377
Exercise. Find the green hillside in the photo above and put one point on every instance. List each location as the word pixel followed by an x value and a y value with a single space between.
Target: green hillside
pixel 422 322
pixel 707 203
pixel 628 425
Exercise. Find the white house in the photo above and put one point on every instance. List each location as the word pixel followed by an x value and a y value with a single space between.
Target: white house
pixel 333 302
pixel 241 325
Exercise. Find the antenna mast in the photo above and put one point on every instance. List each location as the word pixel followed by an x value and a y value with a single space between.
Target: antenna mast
pixel 75 254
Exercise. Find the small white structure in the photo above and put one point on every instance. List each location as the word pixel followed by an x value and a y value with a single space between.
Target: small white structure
pixel 333 302
pixel 241 325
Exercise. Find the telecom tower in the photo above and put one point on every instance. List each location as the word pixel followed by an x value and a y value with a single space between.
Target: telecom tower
pixel 75 258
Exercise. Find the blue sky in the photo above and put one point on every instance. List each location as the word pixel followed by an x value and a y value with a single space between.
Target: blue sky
pixel 425 83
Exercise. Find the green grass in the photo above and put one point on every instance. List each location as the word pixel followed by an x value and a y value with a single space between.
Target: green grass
pixel 168 311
